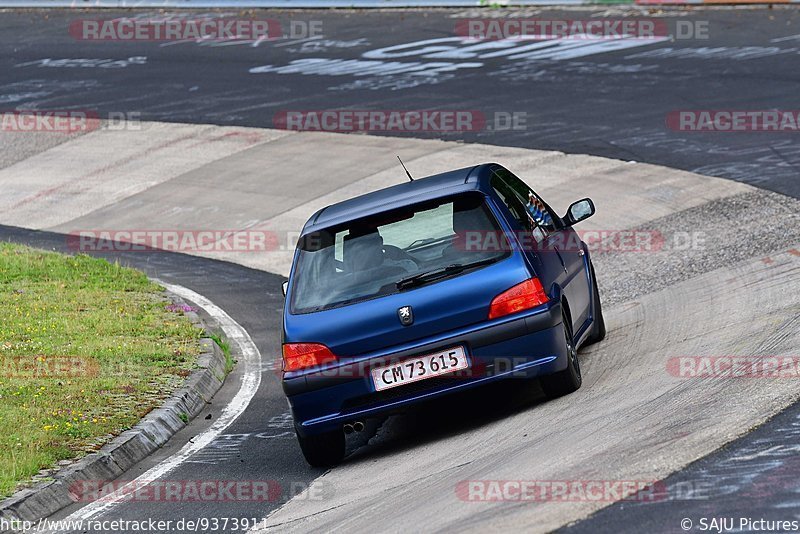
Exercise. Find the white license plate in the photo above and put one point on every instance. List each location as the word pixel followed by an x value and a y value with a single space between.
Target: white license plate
pixel 413 369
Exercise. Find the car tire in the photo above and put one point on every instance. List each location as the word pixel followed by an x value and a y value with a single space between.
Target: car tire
pixel 569 380
pixel 599 325
pixel 323 450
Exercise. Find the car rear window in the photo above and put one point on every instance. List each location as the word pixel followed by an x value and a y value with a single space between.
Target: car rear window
pixel 365 258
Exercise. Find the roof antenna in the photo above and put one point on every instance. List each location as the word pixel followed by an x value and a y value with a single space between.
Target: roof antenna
pixel 404 168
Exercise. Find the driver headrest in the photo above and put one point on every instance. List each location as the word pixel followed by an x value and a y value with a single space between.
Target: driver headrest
pixel 362 249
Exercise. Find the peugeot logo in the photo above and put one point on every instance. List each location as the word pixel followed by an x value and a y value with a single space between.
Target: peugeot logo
pixel 406 315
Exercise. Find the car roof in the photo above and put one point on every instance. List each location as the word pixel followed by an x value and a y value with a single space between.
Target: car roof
pixel 475 178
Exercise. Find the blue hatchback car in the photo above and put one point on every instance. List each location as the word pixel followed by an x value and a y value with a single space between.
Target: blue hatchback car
pixel 430 287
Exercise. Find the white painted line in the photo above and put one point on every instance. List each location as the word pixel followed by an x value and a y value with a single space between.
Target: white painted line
pixel 787 38
pixel 251 380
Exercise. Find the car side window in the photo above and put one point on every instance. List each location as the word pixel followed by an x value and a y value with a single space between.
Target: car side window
pixel 534 204
pixel 512 202
pixel 518 210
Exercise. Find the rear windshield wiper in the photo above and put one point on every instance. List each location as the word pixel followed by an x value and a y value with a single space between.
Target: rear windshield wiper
pixel 441 272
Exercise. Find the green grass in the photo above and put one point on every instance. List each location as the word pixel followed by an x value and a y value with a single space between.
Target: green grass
pixel 226 350
pixel 87 348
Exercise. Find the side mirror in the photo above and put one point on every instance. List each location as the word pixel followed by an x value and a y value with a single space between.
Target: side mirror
pixel 579 210
pixel 285 288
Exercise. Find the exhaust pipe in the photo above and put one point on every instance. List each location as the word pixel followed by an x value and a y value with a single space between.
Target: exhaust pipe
pixel 355 426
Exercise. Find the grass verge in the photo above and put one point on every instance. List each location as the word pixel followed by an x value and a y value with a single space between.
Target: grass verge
pixel 87 348
pixel 230 363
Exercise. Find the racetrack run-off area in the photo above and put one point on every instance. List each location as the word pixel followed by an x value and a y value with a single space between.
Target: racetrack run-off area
pixel 679 278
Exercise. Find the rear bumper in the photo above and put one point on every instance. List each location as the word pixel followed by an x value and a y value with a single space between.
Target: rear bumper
pixel 523 346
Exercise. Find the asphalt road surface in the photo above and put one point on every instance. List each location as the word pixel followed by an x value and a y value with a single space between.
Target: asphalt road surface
pixel 752 479
pixel 603 98
pixel 581 99
pixel 632 418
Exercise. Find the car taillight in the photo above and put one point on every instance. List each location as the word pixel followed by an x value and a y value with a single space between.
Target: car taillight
pixel 298 356
pixel 526 295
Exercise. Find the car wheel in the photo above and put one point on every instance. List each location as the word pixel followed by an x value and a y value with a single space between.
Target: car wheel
pixel 569 380
pixel 599 326
pixel 322 450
